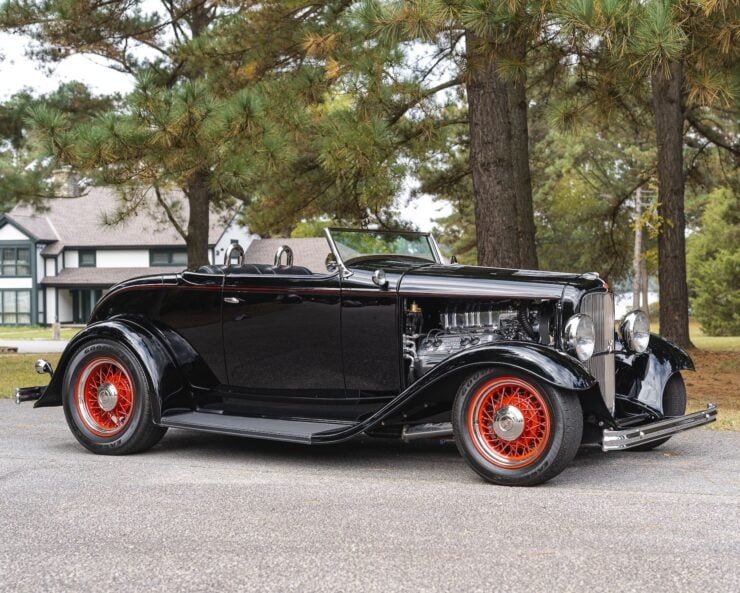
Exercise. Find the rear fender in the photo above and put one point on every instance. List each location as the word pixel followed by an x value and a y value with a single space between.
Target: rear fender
pixel 165 376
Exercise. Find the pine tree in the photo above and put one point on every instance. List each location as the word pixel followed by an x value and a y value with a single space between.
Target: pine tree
pixel 678 55
pixel 197 119
pixel 120 31
pixel 496 38
pixel 25 175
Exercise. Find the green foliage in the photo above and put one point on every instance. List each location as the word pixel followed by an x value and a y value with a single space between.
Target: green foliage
pixel 312 228
pixel 658 37
pixel 315 111
pixel 714 265
pixel 25 169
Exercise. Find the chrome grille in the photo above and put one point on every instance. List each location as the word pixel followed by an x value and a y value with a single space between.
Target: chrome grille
pixel 600 306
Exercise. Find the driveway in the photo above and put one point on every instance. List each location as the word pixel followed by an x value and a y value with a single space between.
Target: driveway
pixel 208 513
pixel 35 346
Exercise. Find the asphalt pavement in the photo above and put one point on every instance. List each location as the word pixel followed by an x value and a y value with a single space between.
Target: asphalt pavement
pixel 203 513
pixel 35 346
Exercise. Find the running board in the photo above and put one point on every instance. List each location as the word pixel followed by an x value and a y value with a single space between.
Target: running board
pixel 294 431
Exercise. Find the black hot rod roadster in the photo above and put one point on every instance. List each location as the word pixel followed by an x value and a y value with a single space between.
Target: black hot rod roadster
pixel 519 367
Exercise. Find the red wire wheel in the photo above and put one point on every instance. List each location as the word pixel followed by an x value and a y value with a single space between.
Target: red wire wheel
pixel 509 422
pixel 104 397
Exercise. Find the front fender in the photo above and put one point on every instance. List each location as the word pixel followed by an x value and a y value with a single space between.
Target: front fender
pixel 431 396
pixel 644 376
pixel 546 364
pixel 166 378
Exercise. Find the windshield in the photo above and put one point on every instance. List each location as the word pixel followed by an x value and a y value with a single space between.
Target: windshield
pixel 358 243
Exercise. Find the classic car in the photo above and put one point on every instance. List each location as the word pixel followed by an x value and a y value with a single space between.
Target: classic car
pixel 518 367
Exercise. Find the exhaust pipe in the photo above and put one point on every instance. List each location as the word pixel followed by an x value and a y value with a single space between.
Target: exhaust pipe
pixel 431 430
pixel 29 394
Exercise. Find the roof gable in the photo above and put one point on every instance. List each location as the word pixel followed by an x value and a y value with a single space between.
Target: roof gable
pixel 81 222
pixel 34 228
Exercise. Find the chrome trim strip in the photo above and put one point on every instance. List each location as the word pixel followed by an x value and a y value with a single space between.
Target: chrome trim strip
pixel 616 440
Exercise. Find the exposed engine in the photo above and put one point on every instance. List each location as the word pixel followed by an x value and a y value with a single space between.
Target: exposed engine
pixel 433 335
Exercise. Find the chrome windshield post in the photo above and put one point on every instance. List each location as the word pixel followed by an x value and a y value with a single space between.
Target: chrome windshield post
pixel 335 250
pixel 436 250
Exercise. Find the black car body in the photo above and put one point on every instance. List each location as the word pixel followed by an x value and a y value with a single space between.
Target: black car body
pixel 387 344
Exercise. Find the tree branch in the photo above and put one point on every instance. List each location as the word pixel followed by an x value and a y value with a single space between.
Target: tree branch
pixel 711 134
pixel 169 213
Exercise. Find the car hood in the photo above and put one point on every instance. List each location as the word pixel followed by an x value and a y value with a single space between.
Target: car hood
pixel 457 280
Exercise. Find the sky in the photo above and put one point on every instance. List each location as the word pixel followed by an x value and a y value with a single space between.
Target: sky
pixel 17 72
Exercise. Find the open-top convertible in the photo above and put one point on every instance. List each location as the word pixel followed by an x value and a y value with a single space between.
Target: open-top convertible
pixel 519 367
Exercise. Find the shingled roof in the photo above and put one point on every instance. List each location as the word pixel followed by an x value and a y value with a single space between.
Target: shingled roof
pixel 102 277
pixel 80 222
pixel 308 252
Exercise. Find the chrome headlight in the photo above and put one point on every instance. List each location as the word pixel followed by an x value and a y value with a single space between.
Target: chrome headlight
pixel 635 331
pixel 580 336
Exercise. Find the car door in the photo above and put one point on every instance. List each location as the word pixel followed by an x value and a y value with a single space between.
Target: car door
pixel 371 338
pixel 282 344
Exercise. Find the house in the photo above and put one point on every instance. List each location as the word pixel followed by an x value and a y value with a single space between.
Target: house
pixel 55 264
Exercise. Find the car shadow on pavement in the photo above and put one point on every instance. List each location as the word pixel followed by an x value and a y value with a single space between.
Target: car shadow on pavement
pixel 355 457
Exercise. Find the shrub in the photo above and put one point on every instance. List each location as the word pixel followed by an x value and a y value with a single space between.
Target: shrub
pixel 713 256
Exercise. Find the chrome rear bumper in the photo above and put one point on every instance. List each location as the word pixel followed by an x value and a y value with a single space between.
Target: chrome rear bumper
pixel 615 440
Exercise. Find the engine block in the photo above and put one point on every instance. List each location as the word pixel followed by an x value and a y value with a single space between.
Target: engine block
pixel 462 326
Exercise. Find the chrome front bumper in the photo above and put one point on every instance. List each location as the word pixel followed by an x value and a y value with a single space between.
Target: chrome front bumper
pixel 615 440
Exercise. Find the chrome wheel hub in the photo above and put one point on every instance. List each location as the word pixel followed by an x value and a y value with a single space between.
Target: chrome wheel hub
pixel 508 423
pixel 107 396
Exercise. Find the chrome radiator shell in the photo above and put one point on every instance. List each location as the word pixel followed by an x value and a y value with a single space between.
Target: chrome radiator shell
pixel 600 307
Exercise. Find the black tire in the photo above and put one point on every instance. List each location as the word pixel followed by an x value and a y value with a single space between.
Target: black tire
pixel 550 433
pixel 109 368
pixel 674 404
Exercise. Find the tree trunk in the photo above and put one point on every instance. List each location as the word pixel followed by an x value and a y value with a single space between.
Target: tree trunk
pixel 637 253
pixel 520 159
pixel 491 163
pixel 198 194
pixel 674 293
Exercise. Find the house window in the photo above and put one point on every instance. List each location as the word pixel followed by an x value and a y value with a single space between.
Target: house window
pixel 87 258
pixel 15 261
pixel 15 307
pixel 168 257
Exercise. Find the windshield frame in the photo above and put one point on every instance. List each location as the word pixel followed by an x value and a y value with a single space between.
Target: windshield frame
pixel 436 253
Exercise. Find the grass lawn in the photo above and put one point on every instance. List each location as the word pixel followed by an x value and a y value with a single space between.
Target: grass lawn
pixel 16 370
pixel 35 332
pixel 717 376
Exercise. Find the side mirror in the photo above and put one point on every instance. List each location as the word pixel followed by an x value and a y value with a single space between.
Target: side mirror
pixel 331 263
pixel 379 279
